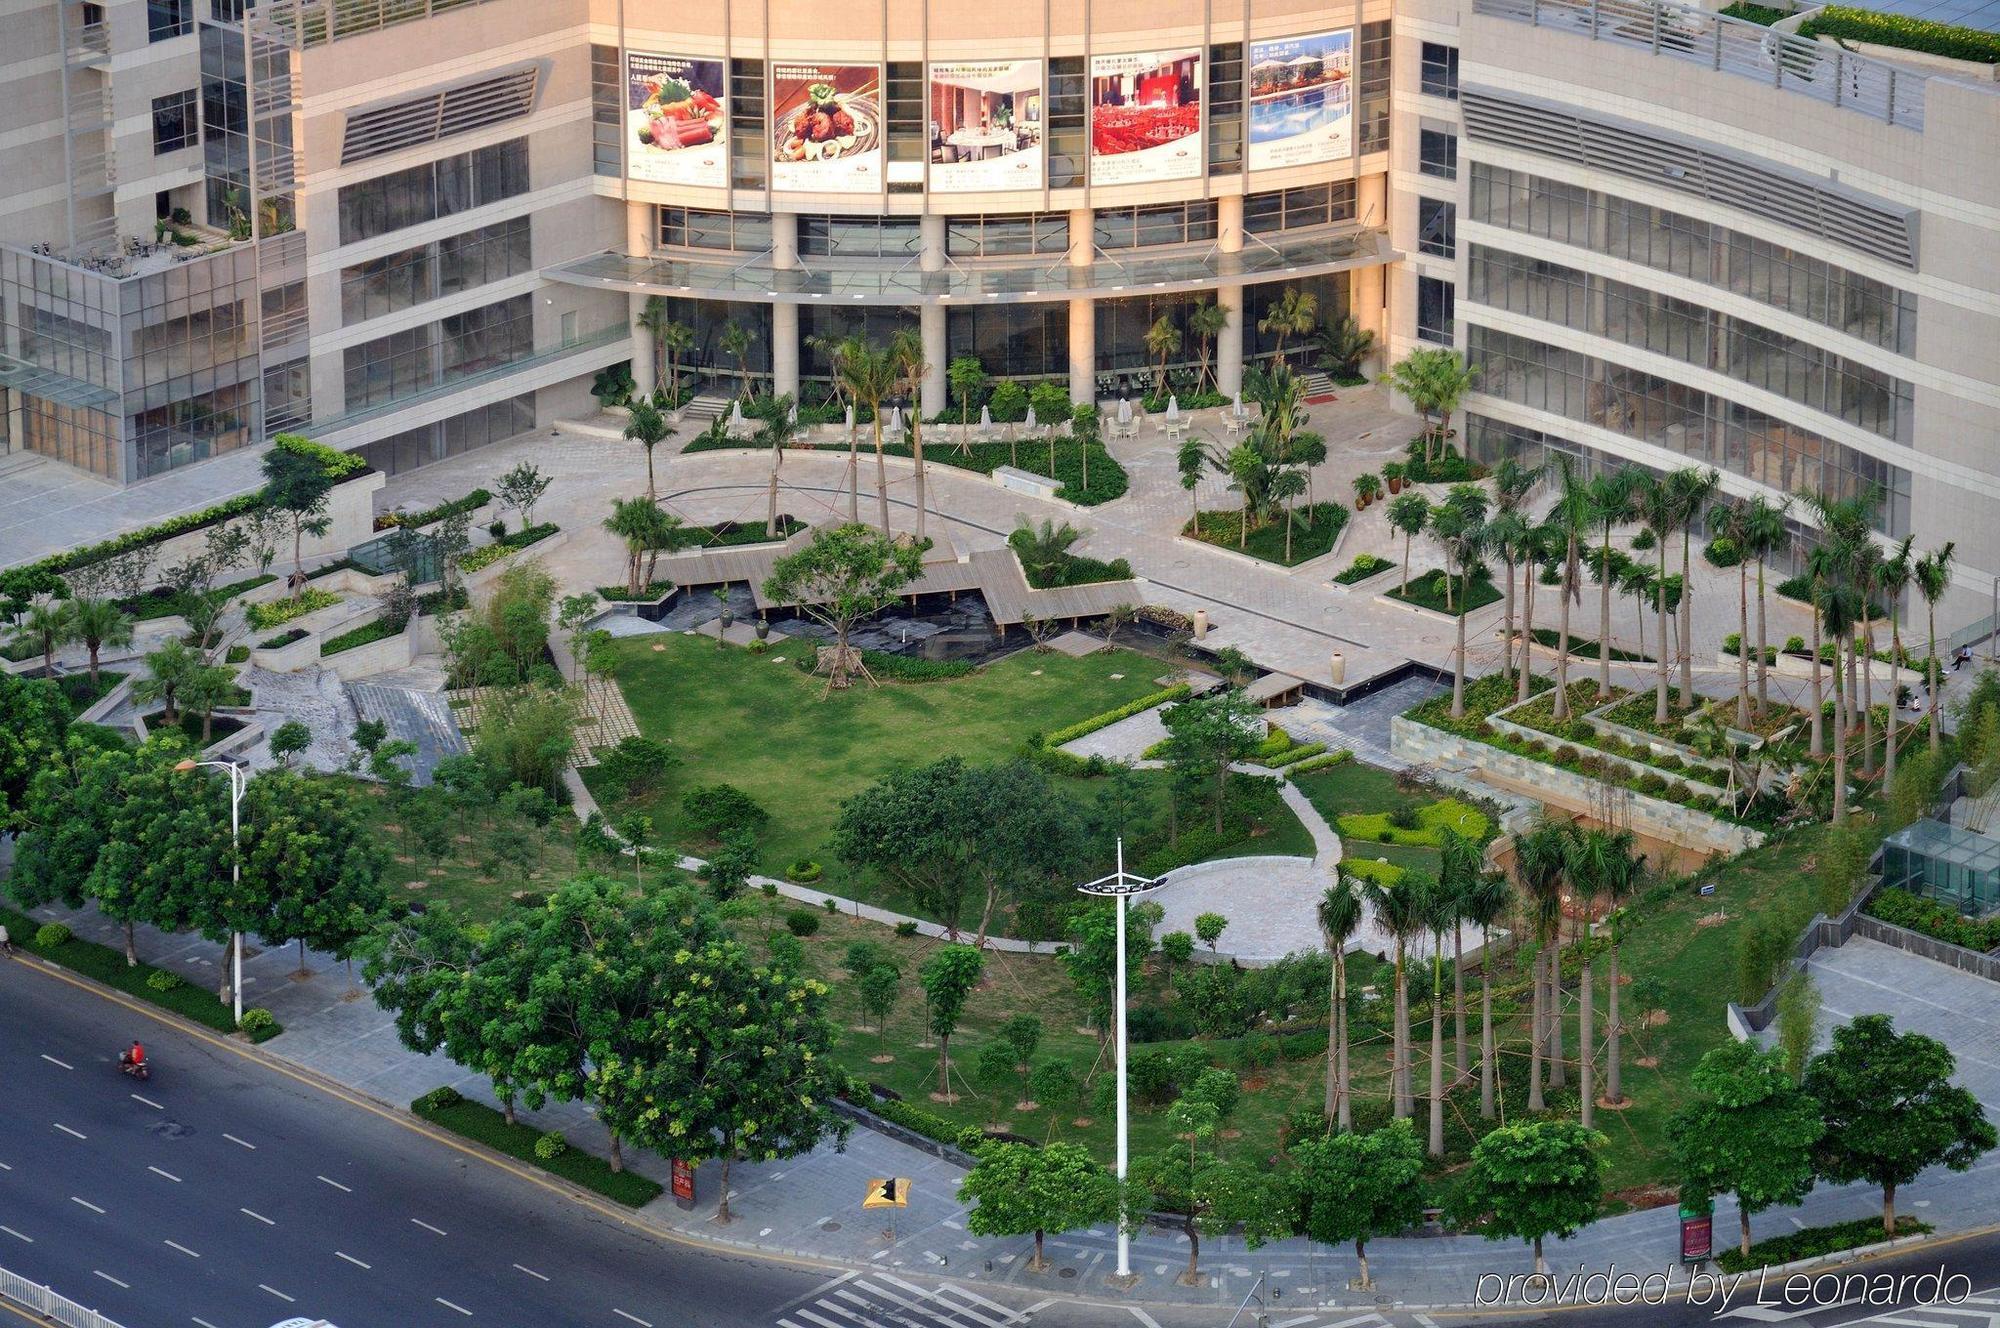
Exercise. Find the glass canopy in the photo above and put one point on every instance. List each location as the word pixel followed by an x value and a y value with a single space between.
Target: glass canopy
pixel 1958 868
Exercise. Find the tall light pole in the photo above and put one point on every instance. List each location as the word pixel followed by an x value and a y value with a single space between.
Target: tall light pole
pixel 1118 887
pixel 237 778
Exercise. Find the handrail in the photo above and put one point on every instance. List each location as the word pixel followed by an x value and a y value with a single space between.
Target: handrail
pixel 48 1303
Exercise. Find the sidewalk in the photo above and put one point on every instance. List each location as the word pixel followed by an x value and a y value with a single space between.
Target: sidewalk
pixel 811 1206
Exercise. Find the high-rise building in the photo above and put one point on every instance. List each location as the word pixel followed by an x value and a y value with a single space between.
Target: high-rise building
pixel 411 227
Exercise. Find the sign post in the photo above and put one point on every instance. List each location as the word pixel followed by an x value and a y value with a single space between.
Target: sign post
pixel 683 1182
pixel 1697 1232
pixel 891 1192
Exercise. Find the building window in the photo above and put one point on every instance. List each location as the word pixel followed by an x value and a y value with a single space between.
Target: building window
pixel 434 189
pixel 607 111
pixel 1437 306
pixel 710 228
pixel 1437 227
pixel 1225 108
pixel 1069 87
pixel 176 124
pixel 909 120
pixel 168 18
pixel 749 142
pixel 1144 227
pixel 899 238
pixel 431 271
pixel 1440 70
pixel 1372 134
pixel 1012 340
pixel 1437 149
pixel 1008 234
pixel 1296 209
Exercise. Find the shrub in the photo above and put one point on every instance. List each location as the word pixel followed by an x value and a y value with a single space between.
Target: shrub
pixel 1795 645
pixel 717 809
pixel 487 554
pixel 801 922
pixel 470 502
pixel 441 1097
pixel 1110 717
pixel 551 1146
pixel 906 929
pixel 804 872
pixel 50 935
pixel 263 617
pixel 1321 762
pixel 257 1020
pixel 830 904
pixel 162 981
pixel 1906 33
pixel 1815 1241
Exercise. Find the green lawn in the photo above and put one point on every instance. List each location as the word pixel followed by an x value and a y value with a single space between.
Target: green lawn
pixel 1428 592
pixel 1061 460
pixel 1314 531
pixel 468 874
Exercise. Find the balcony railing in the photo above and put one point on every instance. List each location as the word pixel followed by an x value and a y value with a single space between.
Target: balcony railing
pixel 1799 65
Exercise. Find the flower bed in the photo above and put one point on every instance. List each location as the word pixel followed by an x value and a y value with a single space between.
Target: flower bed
pixel 1363 567
pixel 488 554
pixel 620 595
pixel 1314 532
pixel 263 617
pixel 1900 908
pixel 1904 33
pixel 723 534
pixel 1432 820
pixel 1585 648
pixel 470 502
pixel 1586 728
pixel 1428 592
pixel 282 639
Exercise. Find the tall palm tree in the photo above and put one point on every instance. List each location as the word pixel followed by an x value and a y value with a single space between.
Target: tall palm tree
pixel 1541 859
pixel 1764 533
pixel 777 428
pixel 869 374
pixel 1572 521
pixel 1609 498
pixel 735 343
pixel 1409 513
pixel 1461 532
pixel 1840 612
pixel 1692 489
pixel 653 319
pixel 1195 456
pixel 1440 910
pixel 1865 569
pixel 1531 546
pixel 1513 481
pixel 1600 866
pixel 1821 569
pixel 1458 877
pixel 1893 578
pixel 1398 908
pixel 1616 880
pixel 906 349
pixel 100 623
pixel 1654 501
pixel 1731 522
pixel 678 338
pixel 1339 919
pixel 1933 574
pixel 1489 900
pixel 1294 314
pixel 1163 340
pixel 167 672
pixel 50 624
pixel 648 428
pixel 1207 321
pixel 1507 534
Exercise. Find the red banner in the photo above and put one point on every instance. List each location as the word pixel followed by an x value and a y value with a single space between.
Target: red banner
pixel 683 1181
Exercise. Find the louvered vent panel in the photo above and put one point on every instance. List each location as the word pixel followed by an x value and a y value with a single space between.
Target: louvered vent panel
pixel 439 115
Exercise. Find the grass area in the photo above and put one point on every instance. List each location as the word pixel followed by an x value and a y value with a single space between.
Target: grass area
pixel 1363 567
pixel 482 1124
pixel 1314 531
pixel 1585 648
pixel 1813 1242
pixel 162 602
pixel 513 542
pixel 470 875
pixel 189 723
pixel 108 966
pixel 379 630
pixel 1950 40
pixel 725 533
pixel 263 617
pixel 1062 460
pixel 1425 825
pixel 1763 15
pixel 1355 789
pixel 82 693
pixel 1428 592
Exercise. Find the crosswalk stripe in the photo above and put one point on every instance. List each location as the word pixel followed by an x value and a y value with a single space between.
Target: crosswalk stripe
pixel 945 1315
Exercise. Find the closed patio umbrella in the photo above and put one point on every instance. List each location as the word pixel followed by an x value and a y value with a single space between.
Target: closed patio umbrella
pixel 1124 411
pixel 1174 409
pixel 736 415
pixel 1031 422
pixel 985 417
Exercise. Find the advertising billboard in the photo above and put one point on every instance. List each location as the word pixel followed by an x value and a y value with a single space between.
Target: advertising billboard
pixel 985 126
pixel 1145 117
pixel 1302 99
pixel 826 128
pixel 676 120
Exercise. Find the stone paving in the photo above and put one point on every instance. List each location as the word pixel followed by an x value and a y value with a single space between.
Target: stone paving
pixel 411 703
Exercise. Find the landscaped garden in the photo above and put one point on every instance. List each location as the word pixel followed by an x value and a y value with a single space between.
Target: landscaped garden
pixel 1441 592
pixel 1057 457
pixel 1286 537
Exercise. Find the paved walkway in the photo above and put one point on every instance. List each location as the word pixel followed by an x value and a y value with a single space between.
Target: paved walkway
pixel 411 704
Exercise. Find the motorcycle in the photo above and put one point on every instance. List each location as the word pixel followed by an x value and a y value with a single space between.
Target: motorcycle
pixel 137 1069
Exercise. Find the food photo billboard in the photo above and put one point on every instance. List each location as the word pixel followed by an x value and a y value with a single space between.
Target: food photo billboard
pixel 677 120
pixel 826 128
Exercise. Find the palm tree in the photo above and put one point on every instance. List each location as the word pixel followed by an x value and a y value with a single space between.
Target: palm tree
pixel 1286 485
pixel 1458 876
pixel 1763 534
pixel 1207 321
pixel 1821 569
pixel 1541 858
pixel 1609 497
pixel 1342 344
pixel 1692 489
pixel 1436 381
pixel 100 623
pixel 1194 457
pixel 1462 534
pixel 1507 534
pixel 653 319
pixel 1731 522
pixel 1658 509
pixel 1933 574
pixel 1893 578
pixel 906 350
pixel 1294 314
pixel 1617 878
pixel 1339 919
pixel 1163 340
pixel 1043 549
pixel 1398 907
pixel 735 343
pixel 1600 865
pixel 777 427
pixel 1440 909
pixel 50 624
pixel 1484 905
pixel 1512 482
pixel 645 529
pixel 678 338
pixel 869 374
pixel 648 428
pixel 1571 520
pixel 167 672
pixel 207 687
pixel 1840 611
pixel 1530 544
pixel 1409 513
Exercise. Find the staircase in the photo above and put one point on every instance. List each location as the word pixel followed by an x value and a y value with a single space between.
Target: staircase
pixel 1318 387
pixel 704 408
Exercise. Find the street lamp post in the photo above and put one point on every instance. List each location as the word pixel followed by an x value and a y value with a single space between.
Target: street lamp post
pixel 1120 886
pixel 237 777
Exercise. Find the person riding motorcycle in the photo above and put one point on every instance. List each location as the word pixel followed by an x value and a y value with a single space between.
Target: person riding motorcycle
pixel 134 1057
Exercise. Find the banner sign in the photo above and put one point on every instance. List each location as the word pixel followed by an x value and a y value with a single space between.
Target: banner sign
pixel 677 120
pixel 986 126
pixel 826 128
pixel 1145 117
pixel 1302 100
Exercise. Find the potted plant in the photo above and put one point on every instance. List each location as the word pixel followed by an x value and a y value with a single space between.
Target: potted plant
pixel 763 628
pixel 1366 485
pixel 721 594
pixel 1392 471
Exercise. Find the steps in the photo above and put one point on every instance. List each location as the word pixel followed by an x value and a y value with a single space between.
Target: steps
pixel 1318 387
pixel 703 409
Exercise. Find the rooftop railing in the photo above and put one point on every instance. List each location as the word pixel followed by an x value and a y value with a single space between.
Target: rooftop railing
pixel 1799 65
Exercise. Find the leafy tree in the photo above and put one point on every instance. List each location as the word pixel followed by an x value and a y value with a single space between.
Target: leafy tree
pixel 208 687
pixel 995 1068
pixel 1092 960
pixel 100 623
pixel 636 829
pixel 522 487
pixel 843 575
pixel 1176 947
pixel 1209 1195
pixel 297 486
pixel 948 978
pixel 1208 734
pixel 1022 1190
pixel 1209 927
pixel 288 740
pixel 877 989
pixel 731 865
pixel 1533 1179
pixel 1892 1110
pixel 716 809
pixel 1356 1187
pixel 638 764
pixel 311 865
pixel 1749 1131
pixel 967 378
pixel 1053 1085
pixel 1409 516
pixel 1022 1033
pixel 38 716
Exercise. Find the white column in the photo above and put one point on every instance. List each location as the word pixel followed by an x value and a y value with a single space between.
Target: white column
pixel 784 317
pixel 1082 310
pixel 784 239
pixel 1229 342
pixel 931 316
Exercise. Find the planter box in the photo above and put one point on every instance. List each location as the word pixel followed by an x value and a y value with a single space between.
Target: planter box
pixel 108 702
pixel 300 654
pixel 1025 481
pixel 1500 721
pixel 384 656
pixel 483 579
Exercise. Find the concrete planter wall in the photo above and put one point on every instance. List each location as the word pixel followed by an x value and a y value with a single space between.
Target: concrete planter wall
pixel 1801 666
pixel 384 656
pixel 109 702
pixel 1500 721
pixel 478 585
pixel 300 654
pixel 1420 744
pixel 350 509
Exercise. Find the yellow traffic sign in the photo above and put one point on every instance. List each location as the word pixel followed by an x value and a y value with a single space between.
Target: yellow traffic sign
pixel 888 1192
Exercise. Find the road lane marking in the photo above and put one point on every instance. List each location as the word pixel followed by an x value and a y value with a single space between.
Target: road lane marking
pixel 243 1142
pixel 112 1280
pixel 146 1101
pixel 204 1323
pixel 337 1185
pixel 53 1061
pixel 67 1130
pixel 87 1204
pixel 428 1227
pixel 279 1294
pixel 530 1272
pixel 17 1235
pixel 448 1305
pixel 633 1317
pixel 351 1259
pixel 259 1216
pixel 183 1249
pixel 168 1174
pixel 5 1167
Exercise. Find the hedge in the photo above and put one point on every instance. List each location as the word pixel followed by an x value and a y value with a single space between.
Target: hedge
pixel 263 617
pixel 282 639
pixel 488 554
pixel 108 966
pixel 1815 1241
pixel 470 502
pixel 379 630
pixel 1298 755
pixel 1083 726
pixel 927 1123
pixel 1363 567
pixel 1322 762
pixel 1904 33
pixel 482 1124
pixel 1900 908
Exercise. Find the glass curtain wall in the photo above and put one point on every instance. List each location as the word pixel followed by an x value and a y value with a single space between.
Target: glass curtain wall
pixel 708 319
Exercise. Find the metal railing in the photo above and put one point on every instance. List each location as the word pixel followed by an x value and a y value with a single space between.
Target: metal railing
pixel 41 1300
pixel 315 22
pixel 1875 88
